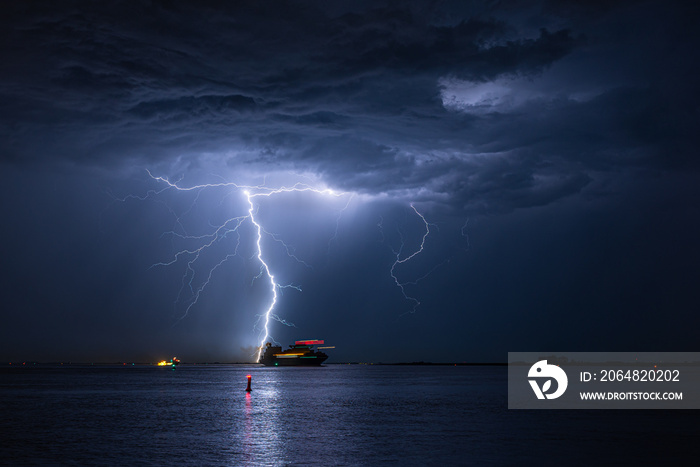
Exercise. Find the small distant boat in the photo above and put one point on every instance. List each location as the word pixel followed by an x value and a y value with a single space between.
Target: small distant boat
pixel 174 362
pixel 302 353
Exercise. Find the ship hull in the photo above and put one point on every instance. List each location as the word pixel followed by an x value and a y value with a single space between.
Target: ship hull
pixel 301 361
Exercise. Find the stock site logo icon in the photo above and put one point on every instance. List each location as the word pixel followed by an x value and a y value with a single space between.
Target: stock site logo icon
pixel 544 372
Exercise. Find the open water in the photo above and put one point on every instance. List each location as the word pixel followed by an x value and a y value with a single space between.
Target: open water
pixel 362 415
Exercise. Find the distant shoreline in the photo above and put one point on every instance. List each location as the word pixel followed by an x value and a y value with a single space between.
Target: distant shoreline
pixel 142 364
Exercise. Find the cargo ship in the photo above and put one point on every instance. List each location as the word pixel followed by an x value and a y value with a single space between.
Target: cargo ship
pixel 302 353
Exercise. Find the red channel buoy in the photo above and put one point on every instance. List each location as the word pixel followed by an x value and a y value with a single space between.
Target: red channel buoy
pixel 248 388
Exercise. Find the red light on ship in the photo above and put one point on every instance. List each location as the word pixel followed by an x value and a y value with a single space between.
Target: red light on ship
pixel 310 342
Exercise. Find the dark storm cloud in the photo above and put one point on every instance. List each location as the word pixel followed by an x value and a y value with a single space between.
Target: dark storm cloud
pixel 350 95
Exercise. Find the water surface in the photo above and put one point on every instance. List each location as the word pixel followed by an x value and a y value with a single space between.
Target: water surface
pixel 331 415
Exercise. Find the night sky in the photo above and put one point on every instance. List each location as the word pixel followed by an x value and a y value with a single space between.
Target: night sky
pixel 551 147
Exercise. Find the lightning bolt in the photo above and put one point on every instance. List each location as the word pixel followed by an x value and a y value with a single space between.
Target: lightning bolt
pixel 232 225
pixel 273 284
pixel 398 261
